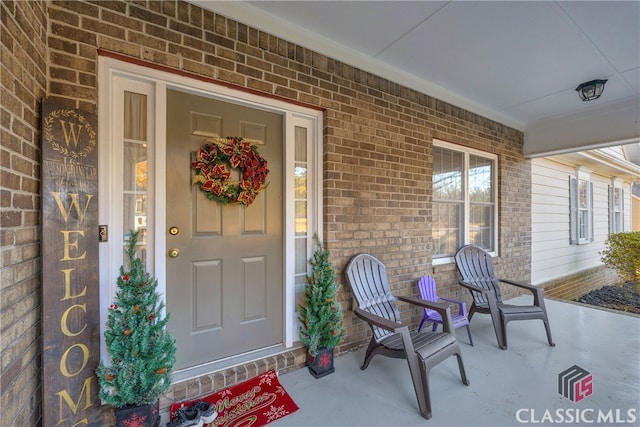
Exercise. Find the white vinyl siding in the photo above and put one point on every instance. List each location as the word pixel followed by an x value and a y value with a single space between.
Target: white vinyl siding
pixel 552 255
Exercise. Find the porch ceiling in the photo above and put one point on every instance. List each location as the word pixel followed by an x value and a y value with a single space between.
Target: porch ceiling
pixel 517 62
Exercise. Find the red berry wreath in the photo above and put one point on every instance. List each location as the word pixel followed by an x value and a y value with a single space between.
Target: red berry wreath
pixel 213 165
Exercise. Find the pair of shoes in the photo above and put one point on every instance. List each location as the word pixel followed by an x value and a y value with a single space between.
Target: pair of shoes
pixel 186 417
pixel 207 411
pixel 196 415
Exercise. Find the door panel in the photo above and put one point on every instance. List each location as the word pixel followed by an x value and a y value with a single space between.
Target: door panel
pixel 207 287
pixel 225 289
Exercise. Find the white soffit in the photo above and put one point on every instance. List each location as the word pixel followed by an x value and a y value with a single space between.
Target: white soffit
pixel 516 62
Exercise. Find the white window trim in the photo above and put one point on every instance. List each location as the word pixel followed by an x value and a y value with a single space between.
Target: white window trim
pixel 614 227
pixel 314 209
pixel 582 174
pixel 156 82
pixel 467 151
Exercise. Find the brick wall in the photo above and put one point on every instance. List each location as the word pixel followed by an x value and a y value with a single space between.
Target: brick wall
pixel 572 287
pixel 377 143
pixel 23 73
pixel 377 150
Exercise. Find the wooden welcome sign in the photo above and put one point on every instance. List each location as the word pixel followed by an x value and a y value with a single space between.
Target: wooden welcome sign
pixel 70 286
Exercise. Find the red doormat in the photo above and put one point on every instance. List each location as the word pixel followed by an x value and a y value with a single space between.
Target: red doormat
pixel 254 403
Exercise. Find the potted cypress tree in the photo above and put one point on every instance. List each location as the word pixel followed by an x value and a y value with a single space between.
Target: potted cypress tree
pixel 141 350
pixel 320 315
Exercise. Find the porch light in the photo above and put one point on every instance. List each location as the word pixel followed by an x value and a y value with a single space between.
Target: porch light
pixel 591 90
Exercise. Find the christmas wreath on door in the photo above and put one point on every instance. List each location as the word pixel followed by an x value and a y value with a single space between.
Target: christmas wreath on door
pixel 214 164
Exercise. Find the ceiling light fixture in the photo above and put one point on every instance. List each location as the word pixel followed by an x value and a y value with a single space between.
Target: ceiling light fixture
pixel 591 90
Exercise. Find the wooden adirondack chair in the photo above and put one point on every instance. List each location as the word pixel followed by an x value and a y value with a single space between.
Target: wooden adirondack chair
pixel 367 277
pixel 427 288
pixel 476 268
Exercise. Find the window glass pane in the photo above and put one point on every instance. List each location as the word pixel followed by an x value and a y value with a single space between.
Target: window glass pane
pixel 301 256
pixel 301 202
pixel 301 229
pixel 300 181
pixel 481 226
pixel 299 285
pixel 301 218
pixel 447 228
pixel 463 184
pixel 301 144
pixel 480 179
pixel 135 116
pixel 617 198
pixel 135 166
pixel 447 174
pixel 583 199
pixel 617 210
pixel 135 170
pixel 584 224
pixel 134 207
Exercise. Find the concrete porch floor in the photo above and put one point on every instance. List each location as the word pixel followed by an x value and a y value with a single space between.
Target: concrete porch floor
pixel 511 387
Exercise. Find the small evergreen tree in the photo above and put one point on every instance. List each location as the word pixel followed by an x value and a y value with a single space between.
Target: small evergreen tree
pixel 141 350
pixel 320 316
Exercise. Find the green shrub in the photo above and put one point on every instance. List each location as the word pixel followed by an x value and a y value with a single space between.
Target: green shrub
pixel 622 253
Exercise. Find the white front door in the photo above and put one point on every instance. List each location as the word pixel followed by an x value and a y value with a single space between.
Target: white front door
pixel 224 285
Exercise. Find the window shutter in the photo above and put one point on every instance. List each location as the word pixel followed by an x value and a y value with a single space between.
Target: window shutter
pixel 573 211
pixel 590 211
pixel 612 220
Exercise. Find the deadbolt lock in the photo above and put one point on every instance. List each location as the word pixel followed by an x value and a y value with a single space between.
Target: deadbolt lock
pixel 173 231
pixel 174 252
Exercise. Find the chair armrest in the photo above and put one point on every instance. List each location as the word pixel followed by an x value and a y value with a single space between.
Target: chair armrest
pixel 441 308
pixel 378 321
pixel 461 305
pixel 399 328
pixel 475 288
pixel 423 303
pixel 519 284
pixel 535 291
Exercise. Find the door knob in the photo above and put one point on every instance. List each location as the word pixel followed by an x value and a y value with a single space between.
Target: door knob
pixel 174 252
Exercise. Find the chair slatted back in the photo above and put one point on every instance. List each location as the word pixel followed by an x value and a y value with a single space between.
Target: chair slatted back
pixel 368 280
pixel 427 287
pixel 476 267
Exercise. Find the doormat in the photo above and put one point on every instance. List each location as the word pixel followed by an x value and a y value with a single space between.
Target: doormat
pixel 253 403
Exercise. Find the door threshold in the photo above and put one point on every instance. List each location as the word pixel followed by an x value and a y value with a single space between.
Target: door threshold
pixel 229 362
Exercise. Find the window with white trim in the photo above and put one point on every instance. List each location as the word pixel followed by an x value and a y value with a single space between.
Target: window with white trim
pixel 464 199
pixel 581 207
pixel 616 207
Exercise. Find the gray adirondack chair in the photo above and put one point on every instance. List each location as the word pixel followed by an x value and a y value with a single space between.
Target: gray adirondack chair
pixel 476 268
pixel 377 306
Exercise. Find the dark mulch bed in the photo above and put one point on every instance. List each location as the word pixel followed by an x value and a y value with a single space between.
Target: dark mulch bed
pixel 625 297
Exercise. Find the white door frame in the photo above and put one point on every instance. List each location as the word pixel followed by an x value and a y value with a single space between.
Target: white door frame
pixel 155 82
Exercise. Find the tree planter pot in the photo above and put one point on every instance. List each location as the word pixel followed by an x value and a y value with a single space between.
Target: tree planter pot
pixel 144 415
pixel 322 363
